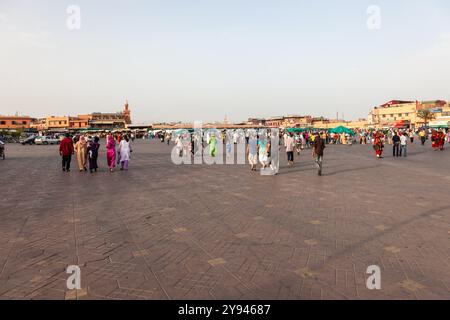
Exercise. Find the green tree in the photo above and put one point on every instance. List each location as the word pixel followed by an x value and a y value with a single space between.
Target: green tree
pixel 426 115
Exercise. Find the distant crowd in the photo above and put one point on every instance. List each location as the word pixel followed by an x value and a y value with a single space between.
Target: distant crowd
pixel 258 148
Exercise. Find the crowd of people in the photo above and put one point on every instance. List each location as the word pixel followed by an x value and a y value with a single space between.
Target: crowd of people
pixel 258 148
pixel 258 145
pixel 86 149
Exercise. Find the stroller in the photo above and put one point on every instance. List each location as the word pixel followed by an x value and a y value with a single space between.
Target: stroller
pixel 2 150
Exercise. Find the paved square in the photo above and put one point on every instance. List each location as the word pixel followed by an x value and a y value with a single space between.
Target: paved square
pixel 160 231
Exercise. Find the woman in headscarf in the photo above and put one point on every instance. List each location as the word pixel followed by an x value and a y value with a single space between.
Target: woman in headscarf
pixel 81 150
pixel 111 152
pixel 93 148
pixel 125 152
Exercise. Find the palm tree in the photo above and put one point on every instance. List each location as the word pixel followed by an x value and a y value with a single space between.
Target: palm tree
pixel 426 115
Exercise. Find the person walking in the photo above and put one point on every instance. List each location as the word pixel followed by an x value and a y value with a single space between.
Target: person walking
pixel 403 144
pixel 441 140
pixel 423 137
pixel 2 148
pixel 411 136
pixel 179 146
pixel 66 151
pixel 93 148
pixel 193 142
pixel 263 150
pixel 213 145
pixel 289 143
pixel 125 152
pixel 229 142
pixel 318 148
pixel 298 144
pixel 390 137
pixel 435 140
pixel 396 145
pixel 307 141
pixel 361 138
pixel 252 151
pixel 303 141
pixel 81 150
pixel 111 152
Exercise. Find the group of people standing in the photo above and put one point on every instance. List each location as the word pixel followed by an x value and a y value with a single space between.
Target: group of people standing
pixel 87 149
pixel 401 139
pixel 438 139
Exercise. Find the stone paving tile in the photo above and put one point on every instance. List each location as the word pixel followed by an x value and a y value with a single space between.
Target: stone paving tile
pixel 161 231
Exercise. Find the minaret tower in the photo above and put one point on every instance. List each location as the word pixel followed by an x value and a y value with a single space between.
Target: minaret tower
pixel 127 113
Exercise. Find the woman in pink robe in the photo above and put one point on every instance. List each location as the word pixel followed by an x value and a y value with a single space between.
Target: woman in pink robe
pixel 111 152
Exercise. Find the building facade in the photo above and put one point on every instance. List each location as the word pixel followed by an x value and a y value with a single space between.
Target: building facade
pixel 56 122
pixel 39 124
pixel 297 121
pixel 107 121
pixel 275 122
pixel 118 120
pixel 392 113
pixel 405 113
pixel 15 122
pixel 256 121
pixel 80 122
pixel 442 116
pixel 290 121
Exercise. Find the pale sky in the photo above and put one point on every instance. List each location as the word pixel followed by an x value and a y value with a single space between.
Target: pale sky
pixel 203 59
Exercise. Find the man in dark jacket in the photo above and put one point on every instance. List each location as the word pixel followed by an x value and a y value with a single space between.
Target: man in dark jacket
pixel 66 151
pixel 319 146
pixel 396 147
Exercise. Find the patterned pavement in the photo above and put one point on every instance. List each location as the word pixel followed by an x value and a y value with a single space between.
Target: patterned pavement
pixel 161 231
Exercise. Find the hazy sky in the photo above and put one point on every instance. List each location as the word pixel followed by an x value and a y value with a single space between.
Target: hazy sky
pixel 204 59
